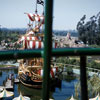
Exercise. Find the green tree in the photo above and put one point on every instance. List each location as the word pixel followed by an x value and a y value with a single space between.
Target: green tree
pixel 90 30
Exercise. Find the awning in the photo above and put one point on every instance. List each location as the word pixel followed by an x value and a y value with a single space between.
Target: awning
pixel 29 44
pixel 21 98
pixel 95 98
pixel 72 98
pixel 6 93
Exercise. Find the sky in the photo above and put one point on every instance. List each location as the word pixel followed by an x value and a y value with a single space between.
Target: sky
pixel 66 13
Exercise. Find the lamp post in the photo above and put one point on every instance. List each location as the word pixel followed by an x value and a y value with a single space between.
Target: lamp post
pixel 0 34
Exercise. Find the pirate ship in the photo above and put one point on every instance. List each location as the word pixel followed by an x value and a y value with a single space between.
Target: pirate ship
pixel 31 70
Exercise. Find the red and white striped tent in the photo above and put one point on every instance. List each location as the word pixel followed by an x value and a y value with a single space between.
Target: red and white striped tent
pixel 34 43
pixel 29 44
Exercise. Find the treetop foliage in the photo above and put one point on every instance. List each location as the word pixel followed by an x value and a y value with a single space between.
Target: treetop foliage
pixel 89 31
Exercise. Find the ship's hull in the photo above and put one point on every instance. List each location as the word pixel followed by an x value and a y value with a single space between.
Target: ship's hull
pixel 32 75
pixel 27 81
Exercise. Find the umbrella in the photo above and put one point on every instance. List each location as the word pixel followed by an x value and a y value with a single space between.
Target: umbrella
pixel 72 98
pixel 96 98
pixel 49 99
pixel 6 93
pixel 21 98
pixel 1 89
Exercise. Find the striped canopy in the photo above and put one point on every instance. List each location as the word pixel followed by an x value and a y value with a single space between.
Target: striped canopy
pixel 95 98
pixel 32 42
pixel 72 98
pixel 29 44
pixel 21 98
pixel 28 38
pixel 6 93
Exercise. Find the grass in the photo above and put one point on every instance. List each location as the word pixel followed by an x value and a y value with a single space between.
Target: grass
pixel 7 66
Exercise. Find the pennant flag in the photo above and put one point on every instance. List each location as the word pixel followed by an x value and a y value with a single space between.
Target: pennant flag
pixel 40 2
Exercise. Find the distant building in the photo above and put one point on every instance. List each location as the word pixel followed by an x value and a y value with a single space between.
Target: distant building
pixel 68 41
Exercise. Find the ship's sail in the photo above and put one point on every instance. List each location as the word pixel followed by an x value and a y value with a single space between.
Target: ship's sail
pixel 38 19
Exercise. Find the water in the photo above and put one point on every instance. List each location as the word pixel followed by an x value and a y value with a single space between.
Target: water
pixel 62 92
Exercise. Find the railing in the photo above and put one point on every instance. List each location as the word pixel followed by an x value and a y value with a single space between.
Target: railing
pixel 48 52
pixel 82 52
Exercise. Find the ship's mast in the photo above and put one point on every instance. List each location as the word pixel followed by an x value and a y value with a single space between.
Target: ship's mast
pixel 36 7
pixel 41 2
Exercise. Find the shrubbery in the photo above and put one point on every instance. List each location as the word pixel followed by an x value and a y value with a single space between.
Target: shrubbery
pixel 66 61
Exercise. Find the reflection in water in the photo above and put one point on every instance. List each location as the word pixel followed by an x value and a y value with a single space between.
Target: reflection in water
pixel 15 71
pixel 34 94
pixel 0 73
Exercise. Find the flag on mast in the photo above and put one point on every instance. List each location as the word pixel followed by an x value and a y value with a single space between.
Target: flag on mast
pixel 40 2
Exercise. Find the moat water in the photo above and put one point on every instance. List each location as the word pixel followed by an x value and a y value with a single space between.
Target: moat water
pixel 64 91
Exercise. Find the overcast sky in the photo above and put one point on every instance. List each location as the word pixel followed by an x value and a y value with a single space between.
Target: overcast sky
pixel 66 12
